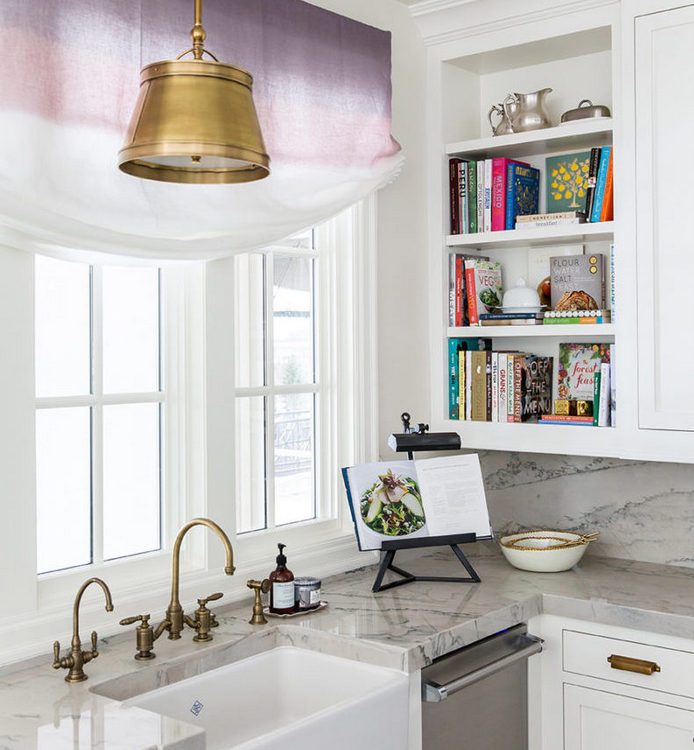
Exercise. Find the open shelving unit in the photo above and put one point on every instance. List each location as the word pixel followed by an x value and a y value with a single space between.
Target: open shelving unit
pixel 577 65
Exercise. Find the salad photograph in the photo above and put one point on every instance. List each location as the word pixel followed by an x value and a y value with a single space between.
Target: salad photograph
pixel 392 506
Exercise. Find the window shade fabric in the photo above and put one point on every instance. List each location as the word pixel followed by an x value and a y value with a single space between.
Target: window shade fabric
pixel 68 86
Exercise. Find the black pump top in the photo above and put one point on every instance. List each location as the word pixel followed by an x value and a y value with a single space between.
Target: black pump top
pixel 281 558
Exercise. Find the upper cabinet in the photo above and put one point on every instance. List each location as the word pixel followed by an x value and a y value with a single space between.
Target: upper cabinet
pixel 664 201
pixel 636 57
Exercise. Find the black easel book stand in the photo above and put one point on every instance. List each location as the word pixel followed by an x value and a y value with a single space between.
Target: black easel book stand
pixel 391 547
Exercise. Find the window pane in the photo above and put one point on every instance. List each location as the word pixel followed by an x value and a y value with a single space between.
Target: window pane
pixel 249 319
pixel 131 480
pixel 130 329
pixel 62 327
pixel 294 458
pixel 63 488
pixel 292 316
pixel 250 464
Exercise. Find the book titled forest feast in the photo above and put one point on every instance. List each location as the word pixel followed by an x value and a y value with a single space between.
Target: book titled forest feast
pixel 578 364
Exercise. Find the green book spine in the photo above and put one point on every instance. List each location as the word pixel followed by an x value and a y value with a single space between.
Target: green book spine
pixel 472 196
pixel 596 397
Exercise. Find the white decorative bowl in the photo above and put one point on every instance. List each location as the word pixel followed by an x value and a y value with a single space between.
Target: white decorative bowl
pixel 521 296
pixel 545 551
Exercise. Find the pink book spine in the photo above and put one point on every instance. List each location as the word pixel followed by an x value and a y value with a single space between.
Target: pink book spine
pixel 499 193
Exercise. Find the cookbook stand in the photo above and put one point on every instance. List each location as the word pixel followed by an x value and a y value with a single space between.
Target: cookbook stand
pixel 413 439
pixel 452 541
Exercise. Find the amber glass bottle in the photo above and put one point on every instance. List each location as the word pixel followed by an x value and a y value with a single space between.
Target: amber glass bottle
pixel 281 586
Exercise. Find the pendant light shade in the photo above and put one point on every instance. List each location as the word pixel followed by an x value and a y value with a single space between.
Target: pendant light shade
pixel 195 122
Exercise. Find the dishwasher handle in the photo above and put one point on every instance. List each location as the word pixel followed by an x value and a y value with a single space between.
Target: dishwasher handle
pixel 432 692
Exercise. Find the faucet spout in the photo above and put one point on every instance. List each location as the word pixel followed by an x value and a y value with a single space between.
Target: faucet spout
pixel 174 612
pixel 76 607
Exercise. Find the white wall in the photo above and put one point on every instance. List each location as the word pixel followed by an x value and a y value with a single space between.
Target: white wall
pixel 402 268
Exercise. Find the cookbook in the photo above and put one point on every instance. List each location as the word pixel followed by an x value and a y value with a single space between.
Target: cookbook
pixel 409 499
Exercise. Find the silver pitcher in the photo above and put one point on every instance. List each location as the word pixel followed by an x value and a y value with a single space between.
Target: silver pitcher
pixel 503 125
pixel 527 111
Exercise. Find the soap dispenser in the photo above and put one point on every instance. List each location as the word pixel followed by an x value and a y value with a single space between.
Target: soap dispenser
pixel 281 586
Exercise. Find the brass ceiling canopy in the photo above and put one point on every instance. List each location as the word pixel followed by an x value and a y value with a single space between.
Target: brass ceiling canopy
pixel 195 121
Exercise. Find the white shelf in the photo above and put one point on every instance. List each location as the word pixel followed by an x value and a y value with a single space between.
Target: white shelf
pixel 577 332
pixel 540 438
pixel 574 135
pixel 532 237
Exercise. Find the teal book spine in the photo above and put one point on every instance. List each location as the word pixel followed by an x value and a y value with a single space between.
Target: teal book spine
pixel 454 346
pixel 600 183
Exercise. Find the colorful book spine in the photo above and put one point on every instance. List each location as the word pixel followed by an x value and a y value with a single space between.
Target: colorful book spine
pixel 489 389
pixel 451 290
pixel 546 420
pixel 613 289
pixel 522 192
pixel 454 195
pixel 453 345
pixel 613 388
pixel 459 290
pixel 596 396
pixel 604 405
pixel 600 184
pixel 582 320
pixel 592 178
pixel 472 197
pixel 480 195
pixel 518 360
pixel 461 383
pixel 566 418
pixel 607 210
pixel 468 385
pixel 478 412
pixel 495 387
pixel 502 392
pixel 487 195
pixel 509 316
pixel 509 388
pixel 471 293
pixel 462 196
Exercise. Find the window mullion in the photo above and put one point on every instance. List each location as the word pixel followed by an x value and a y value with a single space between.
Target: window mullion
pixel 270 398
pixel 97 419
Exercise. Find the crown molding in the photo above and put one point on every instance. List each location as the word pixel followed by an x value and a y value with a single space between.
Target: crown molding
pixel 455 27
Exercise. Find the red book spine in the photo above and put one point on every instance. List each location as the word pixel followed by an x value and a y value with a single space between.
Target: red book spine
pixel 517 390
pixel 471 294
pixel 607 212
pixel 454 195
pixel 459 270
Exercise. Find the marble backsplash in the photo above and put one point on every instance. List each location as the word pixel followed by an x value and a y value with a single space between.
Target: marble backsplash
pixel 643 511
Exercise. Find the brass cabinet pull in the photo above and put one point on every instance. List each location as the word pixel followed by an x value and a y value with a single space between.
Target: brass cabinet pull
pixel 640 666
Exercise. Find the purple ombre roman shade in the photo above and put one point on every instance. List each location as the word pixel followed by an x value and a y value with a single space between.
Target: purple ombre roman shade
pixel 322 89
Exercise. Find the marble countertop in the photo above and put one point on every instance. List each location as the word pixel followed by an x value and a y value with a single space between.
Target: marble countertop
pixel 403 628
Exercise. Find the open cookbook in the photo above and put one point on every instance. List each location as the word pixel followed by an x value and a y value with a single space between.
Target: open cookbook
pixel 409 499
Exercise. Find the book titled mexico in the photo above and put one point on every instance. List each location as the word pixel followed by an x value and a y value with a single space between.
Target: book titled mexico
pixel 522 192
pixel 499 171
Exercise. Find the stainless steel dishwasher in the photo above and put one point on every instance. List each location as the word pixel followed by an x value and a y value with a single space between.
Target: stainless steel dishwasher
pixel 476 698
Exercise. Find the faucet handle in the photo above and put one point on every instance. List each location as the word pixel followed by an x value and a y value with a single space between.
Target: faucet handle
pixel 95 651
pixel 210 598
pixel 65 663
pixel 144 634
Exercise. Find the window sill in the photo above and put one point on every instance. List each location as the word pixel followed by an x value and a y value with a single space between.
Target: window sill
pixel 29 637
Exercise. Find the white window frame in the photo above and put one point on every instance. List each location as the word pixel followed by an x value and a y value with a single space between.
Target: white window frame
pixel 198 442
pixel 148 568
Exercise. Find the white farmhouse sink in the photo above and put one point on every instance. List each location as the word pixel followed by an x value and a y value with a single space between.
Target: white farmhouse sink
pixel 292 699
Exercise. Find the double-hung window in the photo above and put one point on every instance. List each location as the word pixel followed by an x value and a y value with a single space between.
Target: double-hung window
pixel 100 409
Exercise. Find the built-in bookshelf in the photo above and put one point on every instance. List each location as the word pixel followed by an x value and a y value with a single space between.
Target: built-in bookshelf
pixel 576 65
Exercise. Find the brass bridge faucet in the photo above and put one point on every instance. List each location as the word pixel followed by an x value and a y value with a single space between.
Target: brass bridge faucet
pixel 78 658
pixel 176 619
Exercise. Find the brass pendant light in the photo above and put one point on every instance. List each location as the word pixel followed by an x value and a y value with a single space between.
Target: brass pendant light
pixel 195 121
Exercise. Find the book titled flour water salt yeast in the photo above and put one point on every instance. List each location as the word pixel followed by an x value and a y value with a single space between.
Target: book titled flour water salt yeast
pixel 410 499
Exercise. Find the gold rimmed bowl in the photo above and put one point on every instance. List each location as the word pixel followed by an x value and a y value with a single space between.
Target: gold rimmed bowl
pixel 545 551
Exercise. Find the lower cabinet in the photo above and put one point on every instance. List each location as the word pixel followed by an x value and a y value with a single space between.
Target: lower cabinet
pixel 600 720
pixel 606 687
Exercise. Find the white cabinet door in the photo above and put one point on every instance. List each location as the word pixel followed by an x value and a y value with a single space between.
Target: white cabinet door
pixel 664 97
pixel 596 720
